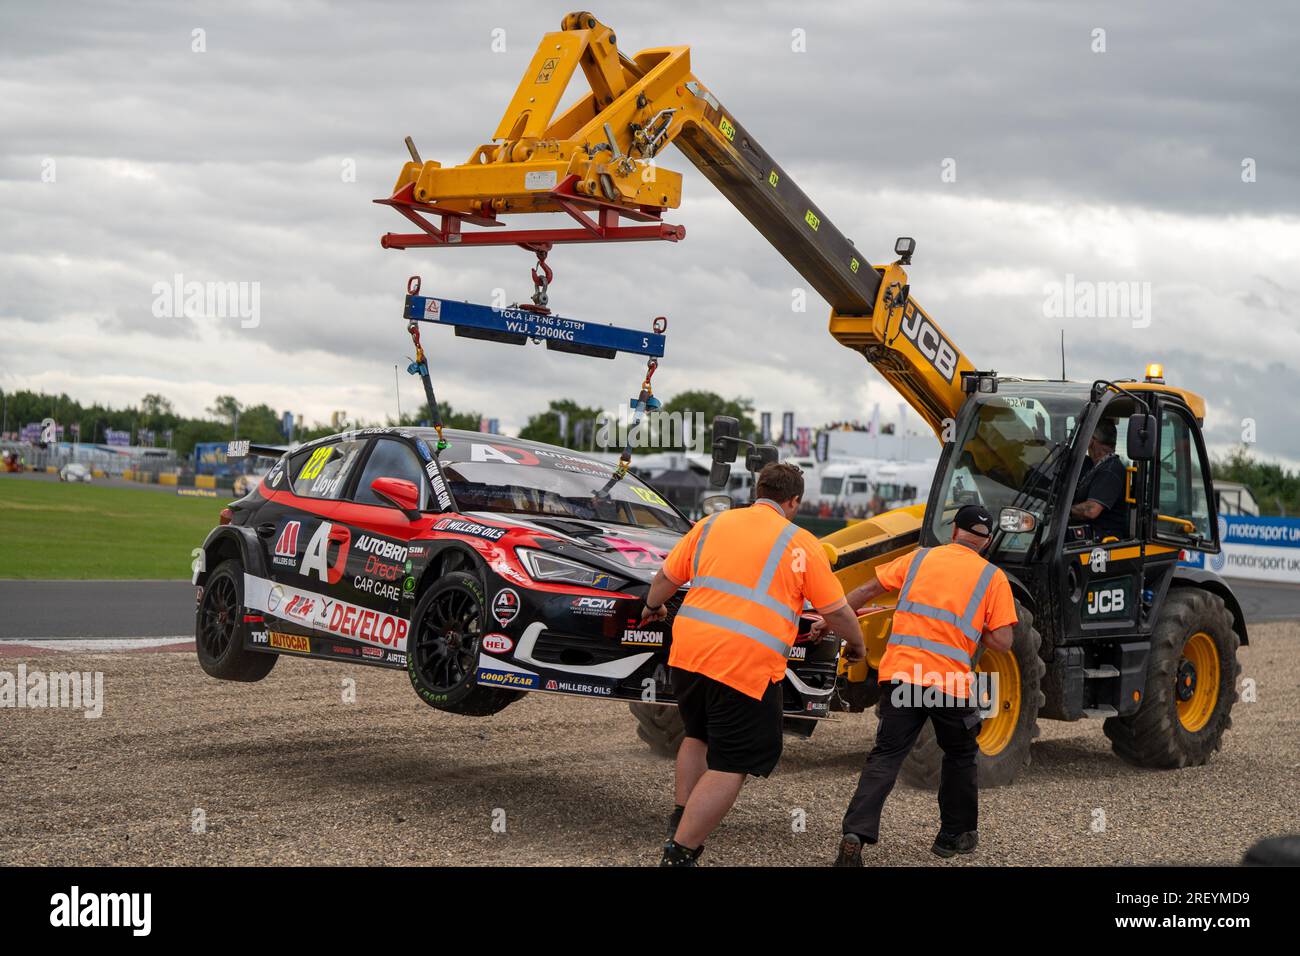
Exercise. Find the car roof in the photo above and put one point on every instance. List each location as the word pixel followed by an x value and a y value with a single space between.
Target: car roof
pixel 459 442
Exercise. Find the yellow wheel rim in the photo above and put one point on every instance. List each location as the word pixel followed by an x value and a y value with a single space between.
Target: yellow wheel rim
pixel 997 730
pixel 1196 682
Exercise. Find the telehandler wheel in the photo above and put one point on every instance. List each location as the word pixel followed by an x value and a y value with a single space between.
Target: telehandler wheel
pixel 1190 689
pixel 1004 737
pixel 660 726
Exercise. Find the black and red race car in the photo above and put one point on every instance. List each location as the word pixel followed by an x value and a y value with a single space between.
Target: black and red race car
pixel 489 569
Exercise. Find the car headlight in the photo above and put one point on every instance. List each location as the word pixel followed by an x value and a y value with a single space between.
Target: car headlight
pixel 553 569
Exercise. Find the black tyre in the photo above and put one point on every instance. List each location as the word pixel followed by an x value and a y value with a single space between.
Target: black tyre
pixel 660 726
pixel 1190 689
pixel 1274 851
pixel 443 647
pixel 1006 736
pixel 219 628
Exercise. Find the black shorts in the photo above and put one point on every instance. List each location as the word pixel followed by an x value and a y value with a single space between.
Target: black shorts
pixel 743 734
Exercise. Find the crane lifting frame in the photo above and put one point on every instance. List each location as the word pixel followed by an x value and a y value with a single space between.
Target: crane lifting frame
pixel 515 325
pixel 606 227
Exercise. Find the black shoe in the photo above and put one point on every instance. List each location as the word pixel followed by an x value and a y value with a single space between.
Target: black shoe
pixel 674 818
pixel 677 855
pixel 850 851
pixel 949 844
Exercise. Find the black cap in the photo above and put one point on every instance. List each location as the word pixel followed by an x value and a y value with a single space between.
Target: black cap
pixel 975 519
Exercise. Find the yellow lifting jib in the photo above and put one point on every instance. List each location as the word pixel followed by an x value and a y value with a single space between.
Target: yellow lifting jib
pixel 599 159
pixel 607 140
pixel 908 348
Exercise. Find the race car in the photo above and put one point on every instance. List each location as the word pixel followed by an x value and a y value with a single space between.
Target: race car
pixel 490 569
pixel 74 471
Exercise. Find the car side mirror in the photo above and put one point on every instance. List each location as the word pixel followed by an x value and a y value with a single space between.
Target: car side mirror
pixel 719 474
pixel 725 430
pixel 400 493
pixel 1141 438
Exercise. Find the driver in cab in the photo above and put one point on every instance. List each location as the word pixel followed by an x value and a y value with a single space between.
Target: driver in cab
pixel 1099 498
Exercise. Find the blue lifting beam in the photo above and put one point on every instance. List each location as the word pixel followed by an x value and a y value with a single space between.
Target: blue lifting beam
pixel 516 325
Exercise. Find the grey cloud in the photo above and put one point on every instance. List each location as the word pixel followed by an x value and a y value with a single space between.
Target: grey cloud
pixel 225 166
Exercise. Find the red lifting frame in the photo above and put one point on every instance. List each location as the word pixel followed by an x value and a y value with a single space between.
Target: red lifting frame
pixel 447 232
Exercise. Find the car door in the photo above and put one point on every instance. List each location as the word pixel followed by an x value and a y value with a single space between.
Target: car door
pixel 306 548
pixel 388 552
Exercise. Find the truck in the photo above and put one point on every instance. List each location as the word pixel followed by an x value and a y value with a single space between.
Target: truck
pixel 1112 629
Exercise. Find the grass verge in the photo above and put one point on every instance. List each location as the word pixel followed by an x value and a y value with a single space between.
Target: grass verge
pixel 49 529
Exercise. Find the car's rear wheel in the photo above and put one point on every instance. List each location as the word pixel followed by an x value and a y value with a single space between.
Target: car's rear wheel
pixel 219 628
pixel 443 648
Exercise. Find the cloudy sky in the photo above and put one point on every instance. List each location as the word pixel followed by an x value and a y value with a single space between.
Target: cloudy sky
pixel 127 158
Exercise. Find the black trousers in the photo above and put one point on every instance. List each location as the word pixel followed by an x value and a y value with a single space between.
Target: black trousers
pixel 956 728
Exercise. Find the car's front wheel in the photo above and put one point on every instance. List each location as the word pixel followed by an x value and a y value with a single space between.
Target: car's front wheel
pixel 219 628
pixel 443 647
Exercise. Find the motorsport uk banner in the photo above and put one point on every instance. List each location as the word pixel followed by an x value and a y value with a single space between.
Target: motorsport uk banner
pixel 1263 549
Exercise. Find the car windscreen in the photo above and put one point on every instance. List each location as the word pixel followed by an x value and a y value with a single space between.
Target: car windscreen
pixel 552 490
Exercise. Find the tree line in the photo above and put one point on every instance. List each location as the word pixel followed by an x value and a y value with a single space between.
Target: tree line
pixel 563 422
pixel 228 418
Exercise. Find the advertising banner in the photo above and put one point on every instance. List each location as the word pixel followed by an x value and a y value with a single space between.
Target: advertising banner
pixel 1261 549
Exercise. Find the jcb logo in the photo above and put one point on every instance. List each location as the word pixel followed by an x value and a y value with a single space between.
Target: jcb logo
pixel 929 341
pixel 1108 601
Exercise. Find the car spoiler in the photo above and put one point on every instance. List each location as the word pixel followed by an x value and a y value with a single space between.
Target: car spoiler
pixel 246 449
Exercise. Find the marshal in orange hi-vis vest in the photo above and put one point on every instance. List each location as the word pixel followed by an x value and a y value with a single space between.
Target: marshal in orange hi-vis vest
pixel 948 597
pixel 750 571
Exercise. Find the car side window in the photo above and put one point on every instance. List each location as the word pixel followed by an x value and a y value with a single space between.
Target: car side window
pixel 391 458
pixel 322 471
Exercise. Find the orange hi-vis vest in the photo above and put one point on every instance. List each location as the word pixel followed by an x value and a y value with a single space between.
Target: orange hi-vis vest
pixel 949 597
pixel 751 571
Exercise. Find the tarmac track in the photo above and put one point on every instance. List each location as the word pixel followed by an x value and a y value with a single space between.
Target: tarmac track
pixel 85 609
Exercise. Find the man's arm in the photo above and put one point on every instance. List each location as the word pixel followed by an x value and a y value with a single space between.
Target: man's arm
pixel 1000 638
pixel 1103 493
pixel 661 589
pixel 860 595
pixel 1087 510
pixel 844 624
